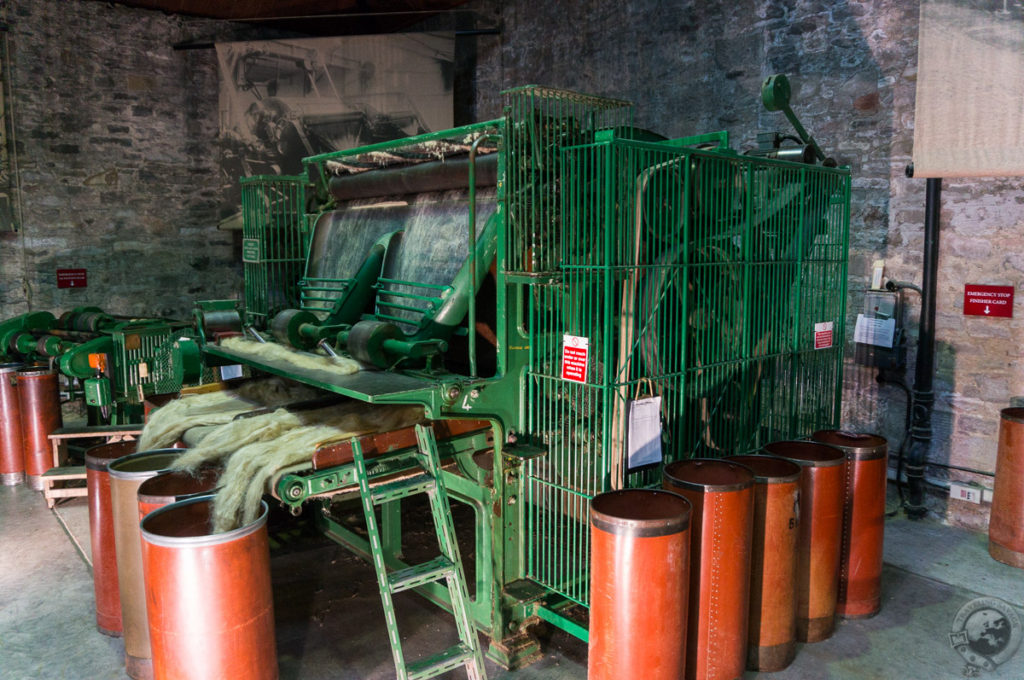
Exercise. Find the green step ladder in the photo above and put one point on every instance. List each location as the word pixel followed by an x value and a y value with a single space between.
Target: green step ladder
pixel 447 566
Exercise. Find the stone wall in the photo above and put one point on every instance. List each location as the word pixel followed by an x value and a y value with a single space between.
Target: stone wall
pixel 697 66
pixel 113 131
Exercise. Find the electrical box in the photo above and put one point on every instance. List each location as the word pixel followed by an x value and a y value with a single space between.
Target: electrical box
pixel 97 392
pixel 878 337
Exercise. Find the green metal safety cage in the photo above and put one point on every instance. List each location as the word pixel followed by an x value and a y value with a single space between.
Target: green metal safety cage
pixel 273 243
pixel 713 280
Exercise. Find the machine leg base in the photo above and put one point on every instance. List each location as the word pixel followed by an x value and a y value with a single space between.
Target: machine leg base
pixel 517 650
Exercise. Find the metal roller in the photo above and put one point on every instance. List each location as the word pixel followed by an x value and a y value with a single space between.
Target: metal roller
pixel 415 179
pixel 221 321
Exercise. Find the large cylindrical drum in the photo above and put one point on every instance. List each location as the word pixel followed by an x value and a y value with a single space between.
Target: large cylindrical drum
pixel 1006 523
pixel 822 488
pixel 169 487
pixel 639 579
pixel 12 446
pixel 211 609
pixel 860 564
pixel 101 534
pixel 126 475
pixel 721 493
pixel 771 630
pixel 39 397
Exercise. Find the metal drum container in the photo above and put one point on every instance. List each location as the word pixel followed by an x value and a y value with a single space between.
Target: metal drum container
pixel 126 475
pixel 101 534
pixel 168 487
pixel 12 446
pixel 639 579
pixel 822 486
pixel 721 493
pixel 1006 523
pixel 211 607
pixel 860 564
pixel 39 398
pixel 772 624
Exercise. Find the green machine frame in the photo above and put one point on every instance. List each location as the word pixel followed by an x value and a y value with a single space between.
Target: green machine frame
pixel 712 279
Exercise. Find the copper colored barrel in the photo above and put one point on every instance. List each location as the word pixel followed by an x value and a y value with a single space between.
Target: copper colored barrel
pixel 721 493
pixel 639 579
pixel 1006 523
pixel 12 448
pixel 101 533
pixel 772 625
pixel 126 475
pixel 822 488
pixel 39 398
pixel 211 607
pixel 169 487
pixel 860 564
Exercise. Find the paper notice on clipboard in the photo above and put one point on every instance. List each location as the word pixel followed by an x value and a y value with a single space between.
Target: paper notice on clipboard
pixel 872 331
pixel 644 432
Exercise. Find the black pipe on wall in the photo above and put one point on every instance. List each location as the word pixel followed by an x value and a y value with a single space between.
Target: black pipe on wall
pixel 924 374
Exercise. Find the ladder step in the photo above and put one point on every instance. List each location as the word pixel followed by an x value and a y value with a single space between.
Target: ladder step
pixel 448 660
pixel 420 574
pixel 410 486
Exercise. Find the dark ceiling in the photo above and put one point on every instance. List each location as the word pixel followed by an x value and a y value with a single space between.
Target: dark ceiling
pixel 319 17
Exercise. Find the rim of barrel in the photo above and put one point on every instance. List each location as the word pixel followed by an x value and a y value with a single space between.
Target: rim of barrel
pixel 35 371
pixel 640 512
pixel 860 445
pixel 183 518
pixel 178 485
pixel 715 475
pixel 806 453
pixel 1014 413
pixel 11 367
pixel 143 464
pixel 769 469
pixel 95 460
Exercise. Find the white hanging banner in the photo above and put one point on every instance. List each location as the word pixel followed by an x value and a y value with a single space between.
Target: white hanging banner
pixel 968 118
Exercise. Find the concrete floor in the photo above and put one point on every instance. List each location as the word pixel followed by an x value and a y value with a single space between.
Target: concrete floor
pixel 330 623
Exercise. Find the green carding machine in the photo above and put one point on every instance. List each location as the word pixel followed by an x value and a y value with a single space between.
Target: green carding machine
pixel 523 280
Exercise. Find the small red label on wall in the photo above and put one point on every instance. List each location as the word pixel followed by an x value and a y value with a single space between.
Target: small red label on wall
pixel 71 278
pixel 823 335
pixel 988 300
pixel 575 351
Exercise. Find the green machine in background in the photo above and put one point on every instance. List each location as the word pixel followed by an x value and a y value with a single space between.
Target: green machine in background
pixel 538 272
pixel 116 361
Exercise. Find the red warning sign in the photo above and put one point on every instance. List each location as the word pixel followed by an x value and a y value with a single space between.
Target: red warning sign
pixel 988 300
pixel 823 335
pixel 575 353
pixel 71 278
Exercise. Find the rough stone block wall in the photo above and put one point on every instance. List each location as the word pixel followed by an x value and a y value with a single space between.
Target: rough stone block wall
pixel 114 134
pixel 695 66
